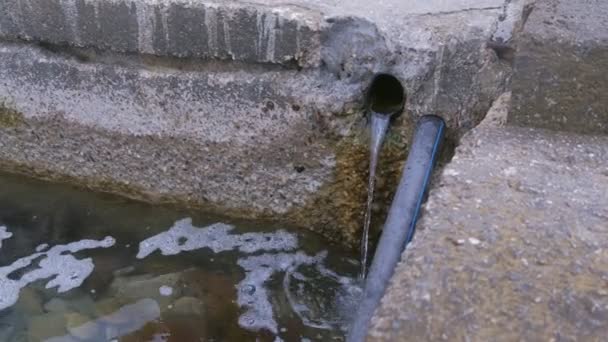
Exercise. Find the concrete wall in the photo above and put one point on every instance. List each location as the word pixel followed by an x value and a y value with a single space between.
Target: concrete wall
pixel 233 31
pixel 254 109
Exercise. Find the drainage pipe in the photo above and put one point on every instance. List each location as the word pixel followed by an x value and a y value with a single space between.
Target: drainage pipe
pixel 401 221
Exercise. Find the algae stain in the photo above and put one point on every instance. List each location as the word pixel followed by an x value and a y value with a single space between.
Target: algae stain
pixel 9 117
pixel 338 209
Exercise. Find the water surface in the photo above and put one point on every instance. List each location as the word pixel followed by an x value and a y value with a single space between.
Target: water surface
pixel 80 266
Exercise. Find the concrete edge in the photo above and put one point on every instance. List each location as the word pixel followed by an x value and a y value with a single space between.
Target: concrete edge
pixel 230 31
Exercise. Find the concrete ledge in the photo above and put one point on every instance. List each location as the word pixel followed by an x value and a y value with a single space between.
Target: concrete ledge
pixel 438 49
pixel 559 80
pixel 114 93
pixel 213 136
pixel 181 28
pixel 245 124
pixel 512 245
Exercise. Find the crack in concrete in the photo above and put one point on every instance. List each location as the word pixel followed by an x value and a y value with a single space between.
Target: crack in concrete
pixel 464 10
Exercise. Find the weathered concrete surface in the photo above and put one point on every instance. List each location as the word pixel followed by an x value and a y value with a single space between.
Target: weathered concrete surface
pixel 512 246
pixel 437 48
pixel 140 98
pixel 273 31
pixel 559 80
pixel 224 138
pixel 182 28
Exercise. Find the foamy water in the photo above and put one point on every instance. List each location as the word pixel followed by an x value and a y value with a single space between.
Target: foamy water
pixel 157 275
pixel 4 234
pixel 66 271
pixel 252 292
pixel 183 236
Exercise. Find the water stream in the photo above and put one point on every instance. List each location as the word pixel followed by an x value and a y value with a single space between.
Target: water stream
pixel 80 266
pixel 379 126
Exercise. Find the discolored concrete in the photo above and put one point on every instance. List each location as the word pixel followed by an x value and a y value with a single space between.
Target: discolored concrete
pixel 250 108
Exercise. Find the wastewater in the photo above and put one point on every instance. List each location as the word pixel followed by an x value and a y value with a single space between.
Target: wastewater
pixel 378 126
pixel 385 99
pixel 83 266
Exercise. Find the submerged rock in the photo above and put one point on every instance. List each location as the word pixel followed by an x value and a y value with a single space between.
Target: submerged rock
pixel 188 306
pixel 106 307
pixel 45 326
pixel 56 305
pixel 30 302
pixel 146 286
pixel 127 319
pixel 81 326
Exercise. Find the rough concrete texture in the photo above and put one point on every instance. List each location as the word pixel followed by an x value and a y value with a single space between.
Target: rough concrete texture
pixel 140 98
pixel 512 246
pixel 438 48
pixel 186 136
pixel 182 28
pixel 559 79
pixel 499 112
pixel 229 139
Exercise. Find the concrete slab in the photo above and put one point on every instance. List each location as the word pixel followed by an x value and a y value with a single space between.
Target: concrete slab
pixel 559 80
pixel 512 246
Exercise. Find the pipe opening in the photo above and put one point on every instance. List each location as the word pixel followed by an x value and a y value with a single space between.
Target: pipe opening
pixel 386 95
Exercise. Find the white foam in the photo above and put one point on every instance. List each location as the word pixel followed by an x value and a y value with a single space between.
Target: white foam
pixel 4 234
pixel 252 294
pixel 165 290
pixel 66 271
pixel 183 236
pixel 42 247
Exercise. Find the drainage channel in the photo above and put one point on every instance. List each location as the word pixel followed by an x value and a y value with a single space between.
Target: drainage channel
pixel 404 211
pixel 78 266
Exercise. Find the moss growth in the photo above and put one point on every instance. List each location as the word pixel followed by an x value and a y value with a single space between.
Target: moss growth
pixel 9 117
pixel 338 209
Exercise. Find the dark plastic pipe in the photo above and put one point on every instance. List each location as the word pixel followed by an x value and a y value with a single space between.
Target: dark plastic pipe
pixel 401 221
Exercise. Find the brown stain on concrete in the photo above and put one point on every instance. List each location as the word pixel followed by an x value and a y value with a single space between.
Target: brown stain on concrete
pixel 335 211
pixel 9 117
pixel 338 208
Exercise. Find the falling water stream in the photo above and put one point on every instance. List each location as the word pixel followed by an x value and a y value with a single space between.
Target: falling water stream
pixel 379 126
